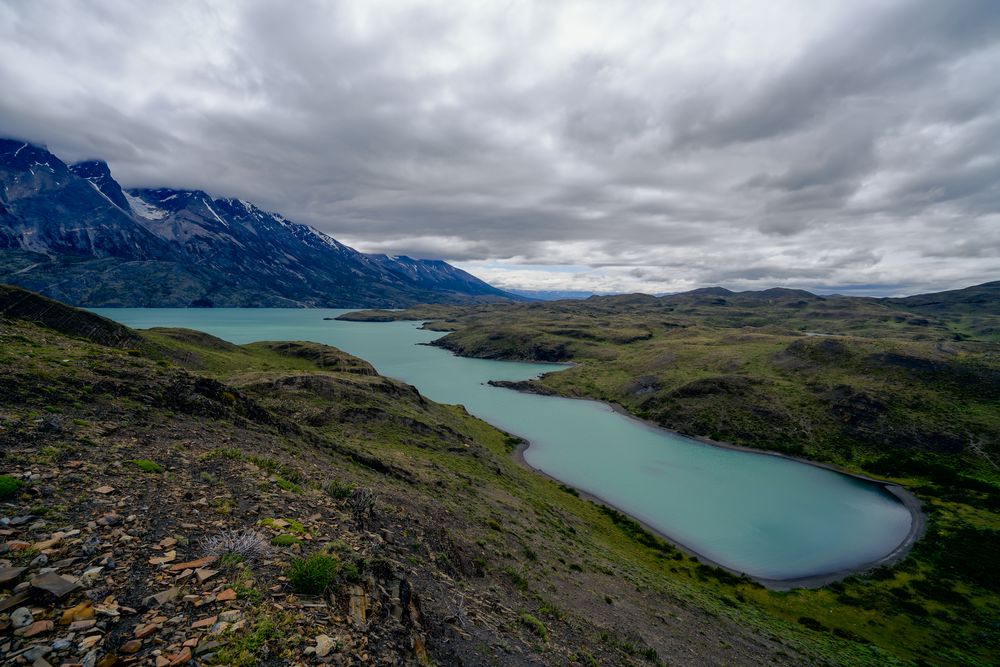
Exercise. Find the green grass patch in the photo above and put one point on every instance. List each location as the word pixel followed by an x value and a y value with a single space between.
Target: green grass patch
pixel 285 540
pixel 146 465
pixel 269 636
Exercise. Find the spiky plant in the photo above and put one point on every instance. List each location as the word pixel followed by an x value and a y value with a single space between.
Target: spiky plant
pixel 362 504
pixel 247 544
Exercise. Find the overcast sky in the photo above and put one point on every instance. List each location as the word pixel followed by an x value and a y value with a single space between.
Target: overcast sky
pixel 848 146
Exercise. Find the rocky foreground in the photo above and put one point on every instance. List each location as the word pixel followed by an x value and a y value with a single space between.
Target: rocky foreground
pixel 120 583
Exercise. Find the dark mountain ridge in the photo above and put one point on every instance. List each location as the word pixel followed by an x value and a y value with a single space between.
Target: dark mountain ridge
pixel 73 233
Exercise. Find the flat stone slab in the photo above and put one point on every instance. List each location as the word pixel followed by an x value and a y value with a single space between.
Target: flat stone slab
pixel 162 597
pixel 193 564
pixel 13 601
pixel 54 584
pixel 9 574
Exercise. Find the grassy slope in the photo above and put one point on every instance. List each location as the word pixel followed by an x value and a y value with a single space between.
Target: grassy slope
pixel 483 540
pixel 907 391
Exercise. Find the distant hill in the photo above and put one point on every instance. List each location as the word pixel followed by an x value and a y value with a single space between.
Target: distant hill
pixel 72 232
pixel 954 301
pixel 551 295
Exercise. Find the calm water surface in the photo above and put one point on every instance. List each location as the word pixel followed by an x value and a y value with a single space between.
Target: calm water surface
pixel 764 515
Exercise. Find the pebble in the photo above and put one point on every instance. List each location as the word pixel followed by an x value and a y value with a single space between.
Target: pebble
pixel 204 622
pixel 226 595
pixel 91 577
pixel 181 658
pixel 36 652
pixel 131 646
pixel 144 631
pixel 324 644
pixel 21 618
pixel 36 628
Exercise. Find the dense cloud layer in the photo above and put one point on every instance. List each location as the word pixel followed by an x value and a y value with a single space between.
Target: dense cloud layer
pixel 851 146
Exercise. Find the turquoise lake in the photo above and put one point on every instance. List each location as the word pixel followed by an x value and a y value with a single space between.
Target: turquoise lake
pixel 767 516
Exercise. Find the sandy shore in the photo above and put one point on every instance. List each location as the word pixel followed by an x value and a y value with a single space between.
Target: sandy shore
pixel 918 521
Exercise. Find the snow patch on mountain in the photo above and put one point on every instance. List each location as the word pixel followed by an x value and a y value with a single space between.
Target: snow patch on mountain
pixel 143 209
pixel 98 189
pixel 212 211
pixel 328 240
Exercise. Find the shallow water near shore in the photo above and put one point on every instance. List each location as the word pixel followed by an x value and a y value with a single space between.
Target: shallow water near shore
pixel 771 517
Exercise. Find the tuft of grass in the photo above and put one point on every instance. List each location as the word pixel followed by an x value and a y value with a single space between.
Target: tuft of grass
pixel 229 453
pixel 339 490
pixel 231 560
pixel 291 487
pixel 276 468
pixel 536 627
pixel 350 573
pixel 313 574
pixel 146 465
pixel 9 486
pixel 223 505
pixel 550 609
pixel 516 578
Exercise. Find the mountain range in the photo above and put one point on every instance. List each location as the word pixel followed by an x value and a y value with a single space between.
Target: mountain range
pixel 71 232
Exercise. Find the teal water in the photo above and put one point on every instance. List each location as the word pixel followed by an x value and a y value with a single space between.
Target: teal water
pixel 768 516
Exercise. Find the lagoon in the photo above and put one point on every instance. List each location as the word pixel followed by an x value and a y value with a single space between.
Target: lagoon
pixel 771 517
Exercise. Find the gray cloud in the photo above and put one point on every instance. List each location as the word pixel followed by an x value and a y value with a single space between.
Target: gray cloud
pixel 847 146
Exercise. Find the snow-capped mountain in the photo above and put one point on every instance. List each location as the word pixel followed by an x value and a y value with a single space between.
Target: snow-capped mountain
pixel 71 232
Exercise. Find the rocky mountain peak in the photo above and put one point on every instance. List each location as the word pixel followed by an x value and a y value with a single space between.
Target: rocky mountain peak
pixel 99 174
pixel 174 247
pixel 25 156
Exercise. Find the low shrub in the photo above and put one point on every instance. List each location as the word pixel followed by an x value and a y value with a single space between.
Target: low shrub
pixel 9 486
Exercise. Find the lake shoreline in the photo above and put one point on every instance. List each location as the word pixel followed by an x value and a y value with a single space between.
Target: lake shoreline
pixel 918 520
